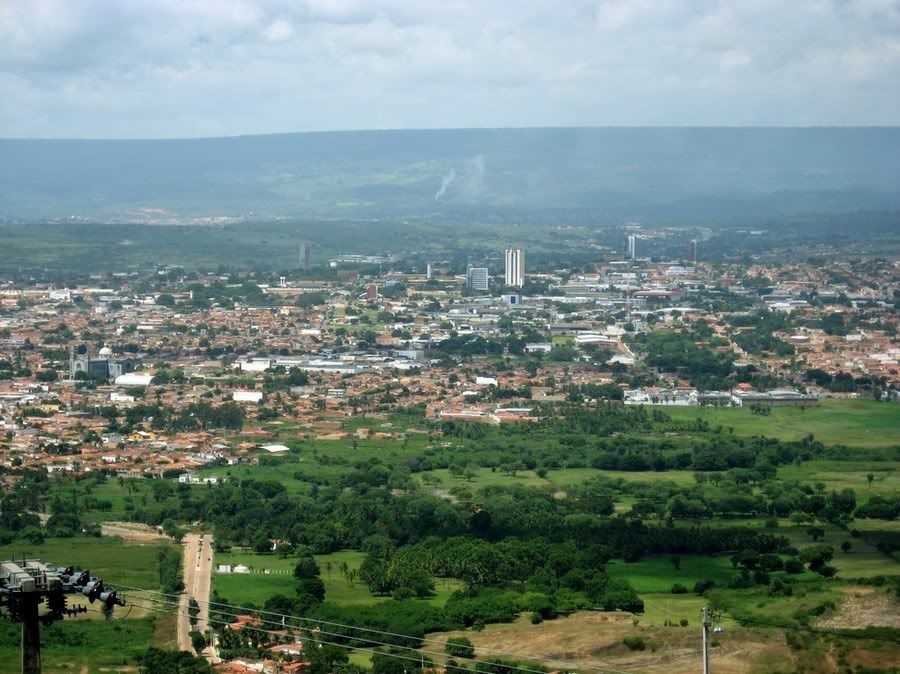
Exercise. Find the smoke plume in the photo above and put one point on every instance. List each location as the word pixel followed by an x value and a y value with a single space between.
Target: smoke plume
pixel 446 181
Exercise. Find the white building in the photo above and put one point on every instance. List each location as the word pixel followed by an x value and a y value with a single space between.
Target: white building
pixel 136 379
pixel 247 396
pixel 515 268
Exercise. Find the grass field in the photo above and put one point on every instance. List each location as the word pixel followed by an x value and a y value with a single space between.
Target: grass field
pixel 861 561
pixel 837 475
pixel 756 603
pixel 257 587
pixel 556 479
pixel 110 558
pixel 138 492
pixel 658 575
pixel 81 647
pixel 856 423
pixel 660 608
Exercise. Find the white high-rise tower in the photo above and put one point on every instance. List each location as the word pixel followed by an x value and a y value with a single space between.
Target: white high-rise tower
pixel 515 268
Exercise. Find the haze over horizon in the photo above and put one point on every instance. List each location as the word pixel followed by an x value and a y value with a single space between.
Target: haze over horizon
pixel 209 68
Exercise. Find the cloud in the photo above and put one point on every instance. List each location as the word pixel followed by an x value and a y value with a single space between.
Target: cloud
pixel 278 31
pixel 162 68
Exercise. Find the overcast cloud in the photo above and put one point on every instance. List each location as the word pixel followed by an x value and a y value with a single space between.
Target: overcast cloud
pixel 175 68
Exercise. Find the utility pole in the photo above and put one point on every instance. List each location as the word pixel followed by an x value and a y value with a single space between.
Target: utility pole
pixel 705 622
pixel 26 584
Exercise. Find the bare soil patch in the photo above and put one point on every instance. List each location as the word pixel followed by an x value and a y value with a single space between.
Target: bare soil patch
pixel 864 607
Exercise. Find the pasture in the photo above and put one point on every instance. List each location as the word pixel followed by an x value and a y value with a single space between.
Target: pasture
pixel 556 480
pixel 112 559
pixel 855 423
pixel 340 587
pixel 838 475
pixel 82 646
pixel 658 574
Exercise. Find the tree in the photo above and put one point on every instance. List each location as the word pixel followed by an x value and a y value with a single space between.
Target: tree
pixel 170 528
pixel 676 562
pixel 846 546
pixel 816 556
pixel 156 661
pixel 169 568
pixel 388 663
pixel 459 647
pixel 311 589
pixel 815 533
pixel 306 567
pixel 198 641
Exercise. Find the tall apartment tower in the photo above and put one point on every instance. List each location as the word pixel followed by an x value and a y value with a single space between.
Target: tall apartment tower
pixel 631 246
pixel 515 268
pixel 304 255
pixel 693 251
pixel 477 278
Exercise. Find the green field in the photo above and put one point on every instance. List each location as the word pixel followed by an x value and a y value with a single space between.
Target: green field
pixel 837 475
pixel 659 608
pixel 88 643
pixel 861 561
pixel 756 602
pixel 556 479
pixel 658 575
pixel 257 586
pixel 856 423
pixel 82 647
pixel 305 461
pixel 110 558
pixel 118 493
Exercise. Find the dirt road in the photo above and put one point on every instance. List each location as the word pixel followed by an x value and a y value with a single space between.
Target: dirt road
pixel 132 531
pixel 197 576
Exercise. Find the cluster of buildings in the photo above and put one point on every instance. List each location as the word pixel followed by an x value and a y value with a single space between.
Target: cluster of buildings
pixel 73 363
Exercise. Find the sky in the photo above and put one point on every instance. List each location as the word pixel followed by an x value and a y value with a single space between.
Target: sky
pixel 188 68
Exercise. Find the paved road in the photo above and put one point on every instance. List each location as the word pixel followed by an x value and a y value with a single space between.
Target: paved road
pixel 197 576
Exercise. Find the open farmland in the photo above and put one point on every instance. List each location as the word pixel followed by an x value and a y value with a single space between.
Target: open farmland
pixel 856 423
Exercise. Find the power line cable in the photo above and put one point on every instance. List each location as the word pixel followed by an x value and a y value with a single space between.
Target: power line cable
pixel 316 631
pixel 373 651
pixel 365 629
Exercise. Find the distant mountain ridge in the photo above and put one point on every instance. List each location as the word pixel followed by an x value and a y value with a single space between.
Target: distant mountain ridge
pixel 655 173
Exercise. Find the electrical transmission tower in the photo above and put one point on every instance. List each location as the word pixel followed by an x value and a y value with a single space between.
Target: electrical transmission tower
pixel 26 584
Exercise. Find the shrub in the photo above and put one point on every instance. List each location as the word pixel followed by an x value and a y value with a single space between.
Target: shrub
pixel 634 643
pixel 459 647
pixel 679 589
pixel 793 566
pixel 702 586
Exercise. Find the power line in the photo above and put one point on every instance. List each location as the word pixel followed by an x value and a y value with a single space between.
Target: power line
pixel 373 651
pixel 813 630
pixel 371 631
pixel 316 631
pixel 742 620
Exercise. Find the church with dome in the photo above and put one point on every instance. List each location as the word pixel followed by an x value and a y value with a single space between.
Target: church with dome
pixel 103 365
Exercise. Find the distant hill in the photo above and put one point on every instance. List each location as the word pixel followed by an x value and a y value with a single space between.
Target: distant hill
pixel 691 175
